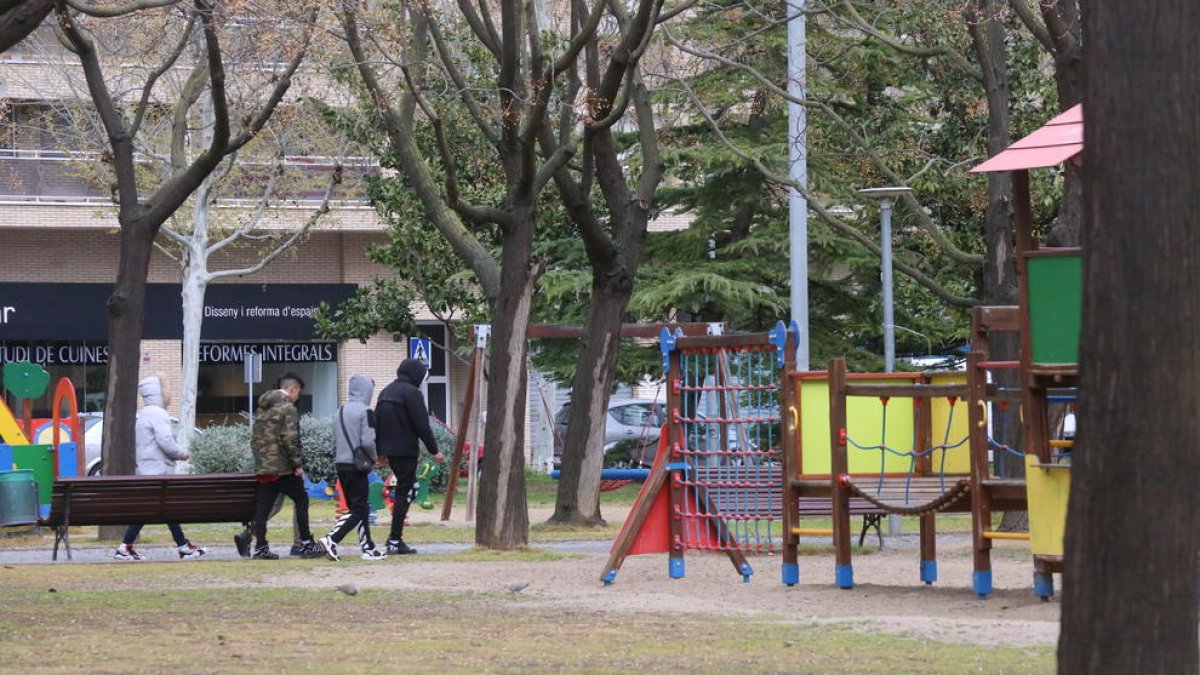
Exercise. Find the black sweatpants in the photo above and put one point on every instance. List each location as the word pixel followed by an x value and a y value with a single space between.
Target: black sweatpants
pixel 291 486
pixel 355 485
pixel 405 470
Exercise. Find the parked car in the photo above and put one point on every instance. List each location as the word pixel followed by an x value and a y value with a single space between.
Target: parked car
pixel 93 432
pixel 638 421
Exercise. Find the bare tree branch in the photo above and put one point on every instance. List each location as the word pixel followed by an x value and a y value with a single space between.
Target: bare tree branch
pixel 856 21
pixel 140 111
pixel 488 127
pixel 103 12
pixel 281 87
pixel 486 269
pixel 20 18
pixel 1033 22
pixel 335 179
pixel 481 25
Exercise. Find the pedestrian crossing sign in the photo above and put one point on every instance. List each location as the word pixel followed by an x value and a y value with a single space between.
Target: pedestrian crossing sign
pixel 420 349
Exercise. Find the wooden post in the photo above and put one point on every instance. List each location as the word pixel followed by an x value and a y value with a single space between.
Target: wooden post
pixel 981 505
pixel 839 465
pixel 460 436
pixel 675 440
pixel 789 412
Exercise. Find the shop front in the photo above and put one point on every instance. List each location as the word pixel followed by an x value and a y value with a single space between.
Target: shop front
pixel 63 327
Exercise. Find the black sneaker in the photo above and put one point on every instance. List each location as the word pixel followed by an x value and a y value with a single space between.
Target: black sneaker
pixel 297 549
pixel 264 553
pixel 242 541
pixel 309 549
pixel 399 548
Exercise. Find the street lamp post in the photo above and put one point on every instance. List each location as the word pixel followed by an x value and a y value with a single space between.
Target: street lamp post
pixel 886 197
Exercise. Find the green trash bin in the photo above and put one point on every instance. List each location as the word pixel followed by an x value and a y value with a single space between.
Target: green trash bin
pixel 18 498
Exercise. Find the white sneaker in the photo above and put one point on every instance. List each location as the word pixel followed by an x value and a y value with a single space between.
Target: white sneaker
pixel 190 551
pixel 126 553
pixel 331 548
pixel 373 554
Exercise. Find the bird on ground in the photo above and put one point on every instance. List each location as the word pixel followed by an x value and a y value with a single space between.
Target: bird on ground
pixel 517 587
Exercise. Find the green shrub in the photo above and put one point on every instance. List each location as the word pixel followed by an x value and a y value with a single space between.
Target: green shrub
pixel 317 436
pixel 226 449
pixel 222 450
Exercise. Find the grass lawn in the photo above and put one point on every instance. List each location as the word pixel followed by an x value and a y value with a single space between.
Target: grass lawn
pixel 212 616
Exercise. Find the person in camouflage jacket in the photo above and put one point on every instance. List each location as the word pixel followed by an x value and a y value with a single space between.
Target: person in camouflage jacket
pixel 279 462
pixel 275 440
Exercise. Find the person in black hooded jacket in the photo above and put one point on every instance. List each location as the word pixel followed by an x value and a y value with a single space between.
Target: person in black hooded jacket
pixel 401 424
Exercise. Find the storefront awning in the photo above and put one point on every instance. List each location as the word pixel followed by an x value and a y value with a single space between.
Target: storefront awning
pixel 1055 142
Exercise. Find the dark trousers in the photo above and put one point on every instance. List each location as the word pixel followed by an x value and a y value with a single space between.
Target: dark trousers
pixel 292 487
pixel 405 470
pixel 132 532
pixel 355 484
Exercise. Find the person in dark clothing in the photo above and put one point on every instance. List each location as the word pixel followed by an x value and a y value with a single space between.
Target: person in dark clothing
pixel 401 424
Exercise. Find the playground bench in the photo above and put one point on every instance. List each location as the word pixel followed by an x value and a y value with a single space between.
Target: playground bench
pixel 822 507
pixel 120 500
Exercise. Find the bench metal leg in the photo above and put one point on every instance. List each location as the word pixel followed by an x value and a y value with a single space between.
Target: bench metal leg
pixel 871 520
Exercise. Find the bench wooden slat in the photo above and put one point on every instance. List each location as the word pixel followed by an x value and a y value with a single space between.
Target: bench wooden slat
pixel 120 500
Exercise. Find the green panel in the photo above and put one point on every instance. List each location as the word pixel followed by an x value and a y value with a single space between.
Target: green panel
pixel 1055 307
pixel 39 458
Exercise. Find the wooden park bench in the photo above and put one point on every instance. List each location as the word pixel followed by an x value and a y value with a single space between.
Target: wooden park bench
pixel 153 500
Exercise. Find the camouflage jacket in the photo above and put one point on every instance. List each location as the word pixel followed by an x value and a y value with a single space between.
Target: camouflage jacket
pixel 275 441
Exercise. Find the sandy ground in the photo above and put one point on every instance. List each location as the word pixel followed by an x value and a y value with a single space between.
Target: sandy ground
pixel 888 595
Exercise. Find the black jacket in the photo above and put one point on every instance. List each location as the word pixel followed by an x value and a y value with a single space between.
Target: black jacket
pixel 401 418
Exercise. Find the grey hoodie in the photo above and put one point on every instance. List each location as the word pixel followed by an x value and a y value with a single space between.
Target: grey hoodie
pixel 358 424
pixel 157 450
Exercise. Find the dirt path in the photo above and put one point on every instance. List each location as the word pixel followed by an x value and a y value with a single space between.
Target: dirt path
pixel 887 598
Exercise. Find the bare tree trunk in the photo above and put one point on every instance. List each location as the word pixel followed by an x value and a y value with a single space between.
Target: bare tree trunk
pixel 126 316
pixel 999 281
pixel 19 19
pixel 579 480
pixel 1129 600
pixel 503 516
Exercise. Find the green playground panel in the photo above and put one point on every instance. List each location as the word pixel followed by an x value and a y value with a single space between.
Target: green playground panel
pixel 1055 306
pixel 39 459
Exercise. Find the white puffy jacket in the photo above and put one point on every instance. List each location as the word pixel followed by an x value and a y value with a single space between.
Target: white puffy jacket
pixel 157 450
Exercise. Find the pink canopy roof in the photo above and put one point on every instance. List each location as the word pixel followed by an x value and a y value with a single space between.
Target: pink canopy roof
pixel 1056 141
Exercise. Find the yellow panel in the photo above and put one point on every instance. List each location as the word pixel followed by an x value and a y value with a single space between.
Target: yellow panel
pixel 1049 490
pixel 864 421
pixel 958 460
pixel 10 429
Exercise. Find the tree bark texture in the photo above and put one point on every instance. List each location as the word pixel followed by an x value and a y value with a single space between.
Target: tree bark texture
pixel 503 516
pixel 999 281
pixel 583 448
pixel 1130 592
pixel 18 18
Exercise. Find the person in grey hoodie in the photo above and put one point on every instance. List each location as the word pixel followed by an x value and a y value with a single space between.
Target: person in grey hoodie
pixel 157 452
pixel 353 426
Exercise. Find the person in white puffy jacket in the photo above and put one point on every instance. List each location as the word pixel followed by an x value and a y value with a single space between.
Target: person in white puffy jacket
pixel 157 452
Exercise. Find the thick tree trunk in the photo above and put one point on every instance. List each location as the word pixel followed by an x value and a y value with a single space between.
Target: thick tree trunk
pixel 503 516
pixel 19 19
pixel 126 313
pixel 1129 601
pixel 577 501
